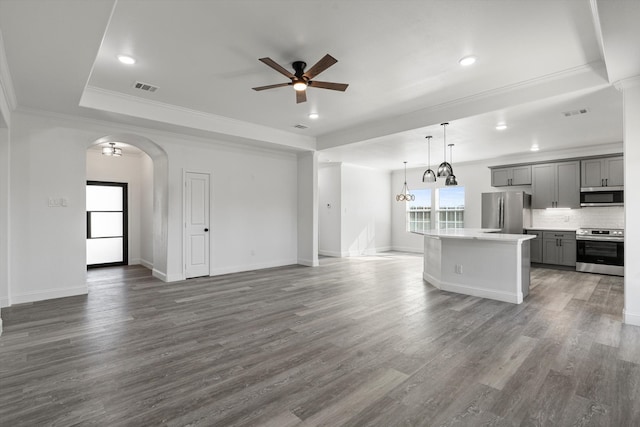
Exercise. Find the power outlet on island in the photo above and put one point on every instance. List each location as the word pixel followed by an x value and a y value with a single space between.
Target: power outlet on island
pixel 458 268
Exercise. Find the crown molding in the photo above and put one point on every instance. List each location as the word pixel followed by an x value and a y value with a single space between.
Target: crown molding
pixel 604 149
pixel 587 76
pixel 110 128
pixel 628 83
pixel 116 102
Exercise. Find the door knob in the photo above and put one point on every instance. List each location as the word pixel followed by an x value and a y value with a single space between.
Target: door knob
pixel 206 229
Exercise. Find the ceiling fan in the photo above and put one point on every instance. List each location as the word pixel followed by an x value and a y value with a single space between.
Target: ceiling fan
pixel 302 79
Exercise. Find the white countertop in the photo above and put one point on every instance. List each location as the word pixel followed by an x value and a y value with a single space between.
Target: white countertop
pixel 478 234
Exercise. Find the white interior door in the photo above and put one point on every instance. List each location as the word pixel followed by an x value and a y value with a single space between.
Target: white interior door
pixel 196 224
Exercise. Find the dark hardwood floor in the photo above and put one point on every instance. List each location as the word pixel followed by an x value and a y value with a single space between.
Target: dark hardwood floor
pixel 354 342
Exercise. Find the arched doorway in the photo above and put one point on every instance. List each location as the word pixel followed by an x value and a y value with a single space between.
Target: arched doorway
pixel 150 193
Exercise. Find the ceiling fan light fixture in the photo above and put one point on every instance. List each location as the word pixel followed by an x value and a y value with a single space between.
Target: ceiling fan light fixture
pixel 302 79
pixel 300 85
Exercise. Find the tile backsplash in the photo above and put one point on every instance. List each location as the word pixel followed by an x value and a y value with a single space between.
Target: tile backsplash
pixel 598 217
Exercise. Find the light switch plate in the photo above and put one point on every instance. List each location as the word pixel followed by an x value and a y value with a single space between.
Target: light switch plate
pixel 57 202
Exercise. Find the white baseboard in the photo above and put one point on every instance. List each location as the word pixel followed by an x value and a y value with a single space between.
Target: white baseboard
pixel 4 302
pixel 174 277
pixel 471 290
pixel 250 267
pixel 159 275
pixel 40 296
pixel 308 262
pixel 146 263
pixel 332 254
pixel 408 249
pixel 631 318
pixel 343 254
pixel 483 293
pixel 432 280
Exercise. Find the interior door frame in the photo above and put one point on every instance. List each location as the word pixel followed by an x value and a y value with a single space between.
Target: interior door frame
pixel 184 218
pixel 125 223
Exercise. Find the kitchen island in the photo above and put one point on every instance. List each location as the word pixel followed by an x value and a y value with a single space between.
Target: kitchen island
pixel 478 262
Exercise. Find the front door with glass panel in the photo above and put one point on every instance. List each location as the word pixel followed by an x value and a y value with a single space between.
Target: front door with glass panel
pixel 106 224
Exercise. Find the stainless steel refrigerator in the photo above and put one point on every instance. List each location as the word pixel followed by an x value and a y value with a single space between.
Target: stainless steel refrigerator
pixel 508 211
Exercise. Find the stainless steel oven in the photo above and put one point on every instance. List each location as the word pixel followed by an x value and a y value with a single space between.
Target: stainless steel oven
pixel 600 251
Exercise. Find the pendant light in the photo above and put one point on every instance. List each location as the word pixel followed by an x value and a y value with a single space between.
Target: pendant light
pixel 451 179
pixel 445 168
pixel 405 195
pixel 429 175
pixel 112 150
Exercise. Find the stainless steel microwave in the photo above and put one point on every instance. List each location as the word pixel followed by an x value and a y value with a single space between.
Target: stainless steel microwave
pixel 602 196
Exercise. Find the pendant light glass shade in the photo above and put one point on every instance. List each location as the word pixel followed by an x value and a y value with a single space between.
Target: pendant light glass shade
pixel 445 168
pixel 405 195
pixel 451 178
pixel 429 175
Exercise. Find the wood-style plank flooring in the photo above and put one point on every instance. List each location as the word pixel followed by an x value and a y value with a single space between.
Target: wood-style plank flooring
pixel 354 342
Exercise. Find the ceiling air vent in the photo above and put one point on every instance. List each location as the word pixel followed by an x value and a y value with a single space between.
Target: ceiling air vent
pixel 145 86
pixel 301 126
pixel 575 112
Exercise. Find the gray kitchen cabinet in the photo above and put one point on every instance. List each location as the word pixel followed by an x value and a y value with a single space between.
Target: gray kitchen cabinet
pixel 556 185
pixel 535 246
pixel 515 175
pixel 559 248
pixel 602 172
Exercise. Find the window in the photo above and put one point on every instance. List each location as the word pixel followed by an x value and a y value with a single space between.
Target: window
pixel 419 211
pixel 450 207
pixel 449 211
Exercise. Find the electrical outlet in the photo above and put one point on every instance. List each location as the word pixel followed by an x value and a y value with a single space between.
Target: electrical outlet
pixel 458 268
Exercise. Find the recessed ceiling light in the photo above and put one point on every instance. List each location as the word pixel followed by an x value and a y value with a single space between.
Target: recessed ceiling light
pixel 468 60
pixel 535 147
pixel 126 59
pixel 501 126
pixel 313 115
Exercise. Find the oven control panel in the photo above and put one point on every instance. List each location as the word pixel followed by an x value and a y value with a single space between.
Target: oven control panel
pixel 599 232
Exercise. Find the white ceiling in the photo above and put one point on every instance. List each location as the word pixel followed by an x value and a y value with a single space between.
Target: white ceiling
pixel 536 59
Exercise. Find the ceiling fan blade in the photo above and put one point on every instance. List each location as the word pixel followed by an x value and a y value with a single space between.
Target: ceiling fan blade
pixel 326 62
pixel 301 96
pixel 329 85
pixel 279 68
pixel 272 86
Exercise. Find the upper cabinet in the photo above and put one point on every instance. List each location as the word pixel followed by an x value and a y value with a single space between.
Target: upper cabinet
pixel 603 172
pixel 556 185
pixel 515 175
